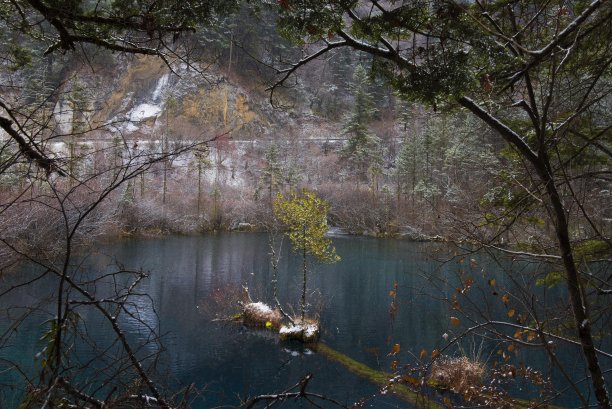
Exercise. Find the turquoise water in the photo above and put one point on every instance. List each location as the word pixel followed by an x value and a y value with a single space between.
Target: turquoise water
pixel 195 280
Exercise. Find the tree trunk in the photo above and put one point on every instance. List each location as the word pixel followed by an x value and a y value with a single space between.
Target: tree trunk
pixel 579 303
pixel 305 276
pixel 580 307
pixel 199 186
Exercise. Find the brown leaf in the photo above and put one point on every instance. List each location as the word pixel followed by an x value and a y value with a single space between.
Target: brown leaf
pixel 434 353
pixel 455 321
pixel 456 305
pixel 423 353
pixel 506 298
pixel 396 349
pixel 511 312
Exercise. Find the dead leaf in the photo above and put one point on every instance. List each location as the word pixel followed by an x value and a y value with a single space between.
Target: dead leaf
pixel 455 321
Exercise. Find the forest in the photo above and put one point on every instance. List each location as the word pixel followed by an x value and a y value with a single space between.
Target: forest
pixel 480 126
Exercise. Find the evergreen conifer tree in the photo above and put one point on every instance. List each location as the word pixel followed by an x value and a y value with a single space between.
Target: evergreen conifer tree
pixel 363 150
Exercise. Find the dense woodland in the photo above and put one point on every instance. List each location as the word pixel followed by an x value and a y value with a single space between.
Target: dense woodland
pixel 482 122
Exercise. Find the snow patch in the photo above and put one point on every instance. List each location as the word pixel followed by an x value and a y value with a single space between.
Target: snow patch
pixel 144 111
pixel 260 314
pixel 306 332
pixel 259 308
pixel 130 127
pixel 161 84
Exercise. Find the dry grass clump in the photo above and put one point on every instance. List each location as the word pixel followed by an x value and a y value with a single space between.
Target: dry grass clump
pixel 458 374
pixel 259 314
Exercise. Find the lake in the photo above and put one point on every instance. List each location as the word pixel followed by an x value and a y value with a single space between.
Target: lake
pixel 196 281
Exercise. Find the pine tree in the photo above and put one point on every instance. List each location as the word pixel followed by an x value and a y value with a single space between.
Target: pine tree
pixel 363 150
pixel 272 174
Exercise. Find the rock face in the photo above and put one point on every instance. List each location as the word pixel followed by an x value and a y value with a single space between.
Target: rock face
pixel 306 332
pixel 258 314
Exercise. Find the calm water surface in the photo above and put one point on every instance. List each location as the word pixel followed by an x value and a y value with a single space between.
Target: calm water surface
pixel 196 279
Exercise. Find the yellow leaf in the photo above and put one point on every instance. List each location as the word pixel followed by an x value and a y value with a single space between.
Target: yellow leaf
pixel 506 298
pixel 396 349
pixel 455 321
pixel 492 282
pixel 511 312
pixel 423 353
pixel 268 324
pixel 392 293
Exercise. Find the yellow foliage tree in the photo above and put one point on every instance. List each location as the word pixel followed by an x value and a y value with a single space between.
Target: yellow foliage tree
pixel 305 217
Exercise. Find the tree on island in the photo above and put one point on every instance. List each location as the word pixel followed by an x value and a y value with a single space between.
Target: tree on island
pixel 305 217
